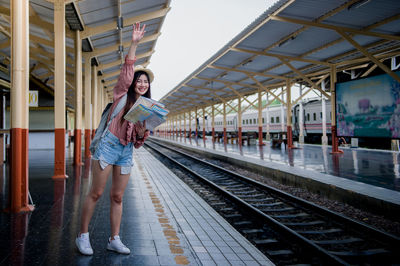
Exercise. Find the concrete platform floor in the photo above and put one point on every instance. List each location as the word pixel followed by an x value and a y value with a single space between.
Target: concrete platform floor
pixel 164 222
pixel 375 167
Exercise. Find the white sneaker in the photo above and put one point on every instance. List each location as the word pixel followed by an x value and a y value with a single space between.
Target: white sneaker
pixel 117 246
pixel 83 244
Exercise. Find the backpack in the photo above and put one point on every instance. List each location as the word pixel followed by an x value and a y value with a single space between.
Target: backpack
pixel 100 131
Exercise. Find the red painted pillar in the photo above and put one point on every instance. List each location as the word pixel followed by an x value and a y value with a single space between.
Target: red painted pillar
pixel 87 143
pixel 19 171
pixel 240 136
pixel 335 143
pixel 204 134
pixel 260 136
pixel 78 147
pixel 213 135
pixel 93 133
pixel 289 137
pixel 225 137
pixel 19 110
pixel 59 153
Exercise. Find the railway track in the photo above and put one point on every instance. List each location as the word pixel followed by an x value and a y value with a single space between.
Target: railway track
pixel 289 230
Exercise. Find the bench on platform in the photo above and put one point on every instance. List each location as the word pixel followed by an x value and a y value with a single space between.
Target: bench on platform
pixel 276 143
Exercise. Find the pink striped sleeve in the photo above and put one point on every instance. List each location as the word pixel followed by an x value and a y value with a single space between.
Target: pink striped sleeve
pixel 125 78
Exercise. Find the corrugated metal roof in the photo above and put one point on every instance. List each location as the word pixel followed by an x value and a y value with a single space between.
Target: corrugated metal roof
pixel 94 17
pixel 296 40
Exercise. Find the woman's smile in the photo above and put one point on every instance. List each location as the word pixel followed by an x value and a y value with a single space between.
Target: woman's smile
pixel 142 85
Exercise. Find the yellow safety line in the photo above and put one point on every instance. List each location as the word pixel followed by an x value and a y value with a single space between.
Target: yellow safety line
pixel 168 230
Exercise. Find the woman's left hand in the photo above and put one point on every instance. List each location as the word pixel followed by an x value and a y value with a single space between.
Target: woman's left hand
pixel 137 33
pixel 141 129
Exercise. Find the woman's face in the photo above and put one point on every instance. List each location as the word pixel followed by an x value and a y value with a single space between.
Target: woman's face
pixel 142 85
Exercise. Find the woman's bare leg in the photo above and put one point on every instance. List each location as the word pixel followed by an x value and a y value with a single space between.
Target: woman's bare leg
pixel 119 183
pixel 99 180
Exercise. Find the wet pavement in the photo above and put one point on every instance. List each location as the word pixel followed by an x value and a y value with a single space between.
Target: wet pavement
pixel 374 167
pixel 164 222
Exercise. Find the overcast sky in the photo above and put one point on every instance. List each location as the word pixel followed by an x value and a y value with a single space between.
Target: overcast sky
pixel 193 31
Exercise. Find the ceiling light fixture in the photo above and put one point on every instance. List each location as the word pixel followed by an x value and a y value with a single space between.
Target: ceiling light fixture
pixel 247 62
pixel 357 4
pixel 285 42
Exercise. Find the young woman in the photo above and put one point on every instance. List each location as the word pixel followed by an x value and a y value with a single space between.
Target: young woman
pixel 114 152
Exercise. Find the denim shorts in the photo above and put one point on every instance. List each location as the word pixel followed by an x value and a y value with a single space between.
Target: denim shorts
pixel 111 151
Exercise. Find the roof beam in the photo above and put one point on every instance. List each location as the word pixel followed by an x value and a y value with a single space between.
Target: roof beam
pixel 111 74
pixel 369 55
pixel 238 94
pixel 225 82
pixel 336 28
pixel 292 58
pixel 34 39
pixel 118 62
pixel 114 48
pixel 249 72
pixel 265 88
pixel 49 56
pixel 90 31
pixel 305 78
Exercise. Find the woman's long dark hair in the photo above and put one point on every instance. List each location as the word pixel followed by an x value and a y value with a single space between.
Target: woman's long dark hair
pixel 132 96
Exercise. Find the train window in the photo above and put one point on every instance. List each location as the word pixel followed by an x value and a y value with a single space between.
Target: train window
pixel 315 116
pixel 272 120
pixel 320 115
pixel 263 120
pixel 247 121
pixel 254 121
pixel 277 119
pixel 308 117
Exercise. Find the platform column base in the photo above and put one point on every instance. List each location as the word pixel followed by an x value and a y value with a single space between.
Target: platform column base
pixel 324 140
pixel 395 145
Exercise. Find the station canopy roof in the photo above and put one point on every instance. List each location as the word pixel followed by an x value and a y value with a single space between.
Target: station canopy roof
pixel 296 40
pixel 98 24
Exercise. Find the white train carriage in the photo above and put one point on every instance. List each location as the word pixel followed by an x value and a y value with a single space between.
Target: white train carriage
pixel 312 121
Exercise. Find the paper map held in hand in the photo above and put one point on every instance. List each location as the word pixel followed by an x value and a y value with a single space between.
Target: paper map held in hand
pixel 149 110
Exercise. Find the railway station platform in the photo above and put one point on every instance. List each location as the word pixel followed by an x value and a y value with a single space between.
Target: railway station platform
pixel 163 223
pixel 364 178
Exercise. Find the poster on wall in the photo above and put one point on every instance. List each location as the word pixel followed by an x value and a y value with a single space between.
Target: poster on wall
pixel 368 107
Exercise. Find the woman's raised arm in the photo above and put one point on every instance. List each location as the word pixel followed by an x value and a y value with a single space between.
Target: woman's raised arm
pixel 127 71
pixel 137 35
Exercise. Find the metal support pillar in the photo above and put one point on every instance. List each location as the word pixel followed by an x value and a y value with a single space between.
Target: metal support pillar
pixel 19 122
pixel 59 89
pixel 78 100
pixel 88 105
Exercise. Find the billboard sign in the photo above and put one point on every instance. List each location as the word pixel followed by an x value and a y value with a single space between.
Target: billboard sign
pixel 368 107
